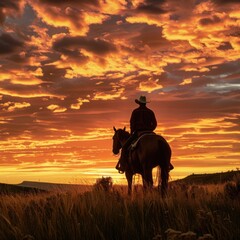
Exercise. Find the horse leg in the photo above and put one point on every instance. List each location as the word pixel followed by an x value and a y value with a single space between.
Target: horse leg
pixel 147 179
pixel 164 179
pixel 129 177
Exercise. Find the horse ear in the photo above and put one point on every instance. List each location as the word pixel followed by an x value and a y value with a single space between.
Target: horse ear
pixel 124 128
pixel 114 129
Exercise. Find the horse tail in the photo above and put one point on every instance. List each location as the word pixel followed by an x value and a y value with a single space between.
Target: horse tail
pixel 165 153
pixel 164 181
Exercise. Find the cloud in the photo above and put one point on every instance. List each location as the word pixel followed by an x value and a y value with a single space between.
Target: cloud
pixel 150 85
pixel 151 7
pixel 10 8
pixel 40 40
pixel 150 36
pixel 12 106
pixel 83 56
pixel 8 44
pixel 226 2
pixel 104 6
pixel 76 16
pixel 56 109
pixel 79 103
pixel 69 45
pixel 25 91
pixel 209 21
pixel 20 77
pixel 111 95
pixel 207 36
pixel 186 81
pixel 82 3
pixel 225 46
pixel 223 87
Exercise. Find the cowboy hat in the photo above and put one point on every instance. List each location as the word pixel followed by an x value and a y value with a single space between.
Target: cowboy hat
pixel 142 99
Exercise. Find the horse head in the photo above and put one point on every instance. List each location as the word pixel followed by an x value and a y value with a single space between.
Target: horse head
pixel 119 137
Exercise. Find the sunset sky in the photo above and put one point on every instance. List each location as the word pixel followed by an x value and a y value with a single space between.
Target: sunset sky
pixel 71 70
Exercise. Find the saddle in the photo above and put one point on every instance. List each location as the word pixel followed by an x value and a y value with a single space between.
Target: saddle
pixel 141 134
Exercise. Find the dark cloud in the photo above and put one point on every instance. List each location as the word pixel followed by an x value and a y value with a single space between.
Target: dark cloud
pixel 8 44
pixel 71 2
pixel 9 5
pixel 14 4
pixel 235 32
pixel 226 1
pixel 174 17
pixel 151 7
pixel 7 85
pixel 73 54
pixel 226 69
pixel 74 88
pixel 73 15
pixel 51 73
pixel 225 46
pixel 151 36
pixel 68 45
pixel 210 21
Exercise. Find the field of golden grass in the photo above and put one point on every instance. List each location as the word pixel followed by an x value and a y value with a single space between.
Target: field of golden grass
pixel 189 212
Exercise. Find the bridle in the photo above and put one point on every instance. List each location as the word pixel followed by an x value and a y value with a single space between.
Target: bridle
pixel 120 142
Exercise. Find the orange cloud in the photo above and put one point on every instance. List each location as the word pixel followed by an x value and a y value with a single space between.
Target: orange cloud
pixel 12 106
pixel 186 81
pixel 150 85
pixel 114 94
pixel 27 94
pixel 203 33
pixel 23 78
pixel 79 103
pixel 75 18
pixel 56 109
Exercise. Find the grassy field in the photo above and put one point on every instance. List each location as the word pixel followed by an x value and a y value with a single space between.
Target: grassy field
pixel 189 212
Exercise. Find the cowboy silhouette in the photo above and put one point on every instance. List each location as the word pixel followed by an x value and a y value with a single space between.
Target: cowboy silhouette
pixel 142 120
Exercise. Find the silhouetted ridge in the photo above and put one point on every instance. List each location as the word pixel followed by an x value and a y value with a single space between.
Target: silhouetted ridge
pixel 53 186
pixel 11 189
pixel 209 178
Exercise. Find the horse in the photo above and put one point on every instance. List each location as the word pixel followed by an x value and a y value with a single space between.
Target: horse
pixel 152 151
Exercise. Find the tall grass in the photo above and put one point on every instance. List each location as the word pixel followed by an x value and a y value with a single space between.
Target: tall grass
pixel 189 212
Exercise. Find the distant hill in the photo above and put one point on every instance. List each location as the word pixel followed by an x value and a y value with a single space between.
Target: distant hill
pixel 55 186
pixel 10 189
pixel 209 178
pixel 28 187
